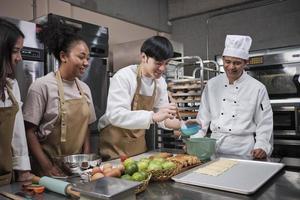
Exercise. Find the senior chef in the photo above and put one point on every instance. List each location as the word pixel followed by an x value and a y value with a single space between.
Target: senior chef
pixel 236 106
pixel 137 97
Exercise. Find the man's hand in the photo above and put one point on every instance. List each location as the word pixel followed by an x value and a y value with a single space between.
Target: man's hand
pixel 166 112
pixel 258 154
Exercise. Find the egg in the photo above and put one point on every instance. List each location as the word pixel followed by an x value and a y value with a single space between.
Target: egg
pixel 115 172
pixel 96 170
pixel 97 176
pixel 107 166
pixel 121 168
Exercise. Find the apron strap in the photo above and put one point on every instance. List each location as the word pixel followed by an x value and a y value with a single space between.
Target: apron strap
pixel 62 110
pixel 138 89
pixel 10 94
pixel 61 105
pixel 79 88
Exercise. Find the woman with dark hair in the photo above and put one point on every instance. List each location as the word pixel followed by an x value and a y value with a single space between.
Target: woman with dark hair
pixel 59 107
pixel 13 145
pixel 137 98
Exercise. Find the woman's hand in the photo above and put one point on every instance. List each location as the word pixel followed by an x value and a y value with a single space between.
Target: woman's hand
pixel 24 176
pixel 52 170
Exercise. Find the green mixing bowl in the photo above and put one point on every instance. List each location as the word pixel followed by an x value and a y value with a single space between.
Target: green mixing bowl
pixel 203 148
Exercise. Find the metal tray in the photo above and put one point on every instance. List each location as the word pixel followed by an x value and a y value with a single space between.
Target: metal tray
pixel 246 177
pixel 107 188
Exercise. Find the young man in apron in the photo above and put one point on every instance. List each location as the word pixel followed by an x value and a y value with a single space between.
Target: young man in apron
pixel 137 98
pixel 13 145
pixel 236 106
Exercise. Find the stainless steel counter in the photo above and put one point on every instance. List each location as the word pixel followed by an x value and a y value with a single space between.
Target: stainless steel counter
pixel 284 185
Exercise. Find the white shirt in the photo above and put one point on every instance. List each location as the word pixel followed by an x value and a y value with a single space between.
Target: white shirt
pixel 235 113
pixel 19 142
pixel 121 92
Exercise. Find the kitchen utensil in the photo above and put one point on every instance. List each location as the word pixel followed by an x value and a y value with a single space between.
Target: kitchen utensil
pixel 55 185
pixel 172 100
pixel 107 188
pixel 203 148
pixel 190 129
pixel 76 163
pixel 246 177
pixel 11 196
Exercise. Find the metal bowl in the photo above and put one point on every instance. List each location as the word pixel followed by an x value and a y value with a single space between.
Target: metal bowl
pixel 78 162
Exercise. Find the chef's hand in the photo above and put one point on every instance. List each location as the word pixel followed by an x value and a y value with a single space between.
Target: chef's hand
pixel 166 112
pixel 258 154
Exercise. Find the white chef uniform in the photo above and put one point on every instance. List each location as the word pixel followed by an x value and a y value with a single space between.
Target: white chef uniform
pixel 121 92
pixel 239 114
pixel 235 112
pixel 19 142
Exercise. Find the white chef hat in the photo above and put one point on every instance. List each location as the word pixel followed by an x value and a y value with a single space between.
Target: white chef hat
pixel 237 46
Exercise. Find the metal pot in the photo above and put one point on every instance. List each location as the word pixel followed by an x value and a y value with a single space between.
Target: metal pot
pixel 78 162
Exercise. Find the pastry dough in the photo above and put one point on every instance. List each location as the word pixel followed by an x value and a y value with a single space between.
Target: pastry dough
pixel 217 168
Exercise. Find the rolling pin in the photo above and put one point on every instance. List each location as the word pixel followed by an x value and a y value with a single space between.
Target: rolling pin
pixel 54 185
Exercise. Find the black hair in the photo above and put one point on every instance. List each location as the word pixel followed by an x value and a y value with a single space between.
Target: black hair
pixel 58 36
pixel 158 47
pixel 9 34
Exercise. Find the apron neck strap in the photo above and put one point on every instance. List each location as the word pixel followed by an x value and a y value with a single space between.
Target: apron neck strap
pixel 60 88
pixel 61 107
pixel 138 88
pixel 10 93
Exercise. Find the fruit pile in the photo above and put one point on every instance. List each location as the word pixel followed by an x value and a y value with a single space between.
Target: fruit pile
pixel 135 170
pixel 138 170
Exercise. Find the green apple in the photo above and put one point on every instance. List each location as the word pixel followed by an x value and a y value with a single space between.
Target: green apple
pixel 142 165
pixel 137 176
pixel 126 177
pixel 131 168
pixel 128 161
pixel 154 166
pixel 159 159
pixel 168 165
pixel 147 160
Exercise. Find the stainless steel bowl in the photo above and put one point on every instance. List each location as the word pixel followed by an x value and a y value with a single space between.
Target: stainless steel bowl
pixel 78 162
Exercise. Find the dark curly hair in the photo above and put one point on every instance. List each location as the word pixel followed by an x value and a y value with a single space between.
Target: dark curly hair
pixel 58 36
pixel 9 34
pixel 158 47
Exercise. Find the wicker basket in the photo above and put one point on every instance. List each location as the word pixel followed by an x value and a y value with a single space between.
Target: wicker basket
pixel 165 174
pixel 144 184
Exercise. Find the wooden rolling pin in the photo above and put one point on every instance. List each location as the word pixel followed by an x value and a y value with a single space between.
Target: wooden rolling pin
pixel 58 186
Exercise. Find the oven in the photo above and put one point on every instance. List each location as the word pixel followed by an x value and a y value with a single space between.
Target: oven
pixel 279 71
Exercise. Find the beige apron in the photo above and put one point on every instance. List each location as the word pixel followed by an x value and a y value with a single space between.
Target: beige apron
pixel 71 127
pixel 7 121
pixel 115 141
